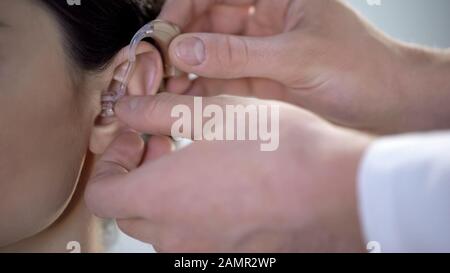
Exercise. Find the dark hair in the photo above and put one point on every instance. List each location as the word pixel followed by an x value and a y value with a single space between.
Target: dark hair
pixel 96 30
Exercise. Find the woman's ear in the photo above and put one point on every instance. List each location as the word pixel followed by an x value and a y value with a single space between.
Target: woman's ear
pixel 146 79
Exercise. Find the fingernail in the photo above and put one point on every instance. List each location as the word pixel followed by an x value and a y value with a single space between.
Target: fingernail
pixel 191 51
pixel 127 104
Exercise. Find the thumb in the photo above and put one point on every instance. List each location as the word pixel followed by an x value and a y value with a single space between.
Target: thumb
pixel 223 56
pixel 106 194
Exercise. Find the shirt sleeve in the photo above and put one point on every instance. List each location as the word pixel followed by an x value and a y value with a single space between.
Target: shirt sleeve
pixel 404 193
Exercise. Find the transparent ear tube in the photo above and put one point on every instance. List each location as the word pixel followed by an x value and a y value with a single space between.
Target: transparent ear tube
pixel 162 33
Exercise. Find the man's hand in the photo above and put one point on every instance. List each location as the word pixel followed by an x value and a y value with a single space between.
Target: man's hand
pixel 317 54
pixel 223 196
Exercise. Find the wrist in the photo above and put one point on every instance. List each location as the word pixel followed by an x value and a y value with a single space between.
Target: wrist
pixel 350 162
pixel 424 89
pixel 344 162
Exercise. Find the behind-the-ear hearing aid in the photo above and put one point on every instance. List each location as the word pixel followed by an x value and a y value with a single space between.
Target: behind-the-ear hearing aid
pixel 162 33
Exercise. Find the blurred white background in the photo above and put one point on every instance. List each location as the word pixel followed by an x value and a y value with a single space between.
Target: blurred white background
pixel 418 21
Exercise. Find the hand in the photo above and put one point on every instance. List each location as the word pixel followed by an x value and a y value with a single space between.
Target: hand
pixel 317 54
pixel 222 196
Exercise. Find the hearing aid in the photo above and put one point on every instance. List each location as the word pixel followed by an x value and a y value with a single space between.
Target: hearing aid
pixel 162 33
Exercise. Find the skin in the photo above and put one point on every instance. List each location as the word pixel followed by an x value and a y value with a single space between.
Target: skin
pixel 323 57
pixel 52 131
pixel 229 196
pixel 45 215
pixel 245 205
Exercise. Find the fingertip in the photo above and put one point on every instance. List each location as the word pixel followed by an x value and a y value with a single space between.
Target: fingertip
pixel 126 105
pixel 130 109
pixel 129 140
pixel 188 50
pixel 123 155
pixel 178 85
pixel 176 12
pixel 159 146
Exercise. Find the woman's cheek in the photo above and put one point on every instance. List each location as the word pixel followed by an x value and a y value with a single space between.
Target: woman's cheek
pixel 44 127
pixel 42 156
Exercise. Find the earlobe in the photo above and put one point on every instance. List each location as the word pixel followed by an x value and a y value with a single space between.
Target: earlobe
pixel 145 79
pixel 102 135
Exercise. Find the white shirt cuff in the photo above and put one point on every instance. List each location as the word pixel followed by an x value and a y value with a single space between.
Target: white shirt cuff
pixel 404 193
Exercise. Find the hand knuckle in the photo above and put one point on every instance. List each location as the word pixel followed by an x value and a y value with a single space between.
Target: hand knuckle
pixel 234 55
pixel 155 108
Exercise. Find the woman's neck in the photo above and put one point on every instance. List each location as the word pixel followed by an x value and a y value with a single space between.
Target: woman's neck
pixel 76 229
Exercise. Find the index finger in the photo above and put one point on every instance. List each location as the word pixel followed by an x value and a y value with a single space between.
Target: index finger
pixel 183 12
pixel 157 115
pixel 112 191
pixel 106 194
